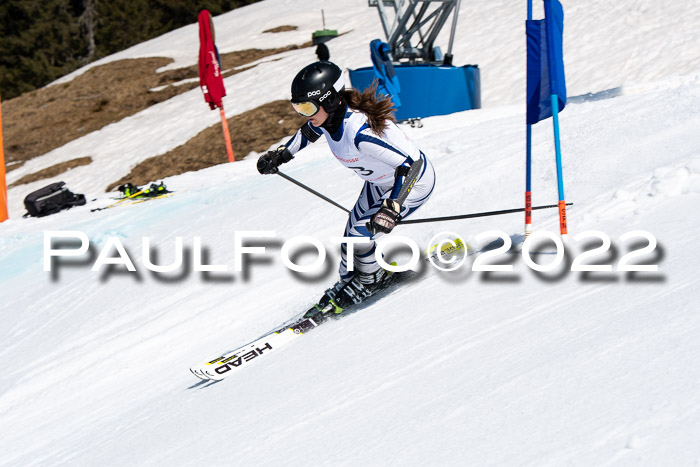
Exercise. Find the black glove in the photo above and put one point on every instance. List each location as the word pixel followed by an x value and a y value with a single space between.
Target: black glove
pixel 386 218
pixel 268 162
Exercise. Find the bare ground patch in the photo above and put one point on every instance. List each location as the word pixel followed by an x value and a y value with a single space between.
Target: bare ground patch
pixel 283 28
pixel 45 119
pixel 229 61
pixel 53 171
pixel 254 131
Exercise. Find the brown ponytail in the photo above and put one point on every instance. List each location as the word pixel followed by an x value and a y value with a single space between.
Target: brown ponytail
pixel 378 110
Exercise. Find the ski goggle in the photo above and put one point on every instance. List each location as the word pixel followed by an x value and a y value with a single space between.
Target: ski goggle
pixel 306 109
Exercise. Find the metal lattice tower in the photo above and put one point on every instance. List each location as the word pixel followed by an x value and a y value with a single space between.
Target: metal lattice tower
pixel 421 18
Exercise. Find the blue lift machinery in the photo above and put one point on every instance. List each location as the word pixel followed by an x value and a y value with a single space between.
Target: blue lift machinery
pixel 421 80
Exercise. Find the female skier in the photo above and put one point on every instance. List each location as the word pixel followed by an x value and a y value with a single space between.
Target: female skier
pixel 362 134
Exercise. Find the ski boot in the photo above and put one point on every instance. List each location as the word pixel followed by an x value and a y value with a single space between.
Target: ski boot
pixel 129 189
pixel 360 287
pixel 156 190
pixel 343 294
pixel 325 306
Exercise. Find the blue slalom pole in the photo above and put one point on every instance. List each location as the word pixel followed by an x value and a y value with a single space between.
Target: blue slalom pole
pixel 528 154
pixel 560 173
pixel 557 145
pixel 528 180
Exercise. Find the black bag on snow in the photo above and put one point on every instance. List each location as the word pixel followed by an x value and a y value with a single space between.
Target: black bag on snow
pixel 51 199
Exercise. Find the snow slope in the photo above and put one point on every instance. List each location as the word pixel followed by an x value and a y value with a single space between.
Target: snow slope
pixel 606 46
pixel 461 368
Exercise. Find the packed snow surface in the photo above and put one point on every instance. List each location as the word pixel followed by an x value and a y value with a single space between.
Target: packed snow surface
pixel 458 368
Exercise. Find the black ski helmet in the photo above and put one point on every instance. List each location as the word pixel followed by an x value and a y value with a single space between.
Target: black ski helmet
pixel 319 83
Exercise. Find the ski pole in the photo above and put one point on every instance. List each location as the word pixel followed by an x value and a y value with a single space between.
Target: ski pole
pixel 429 219
pixel 478 214
pixel 312 191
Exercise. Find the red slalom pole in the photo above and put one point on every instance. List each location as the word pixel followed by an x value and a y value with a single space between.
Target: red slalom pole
pixel 227 136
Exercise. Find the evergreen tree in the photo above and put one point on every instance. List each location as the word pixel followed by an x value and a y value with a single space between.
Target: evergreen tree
pixel 42 40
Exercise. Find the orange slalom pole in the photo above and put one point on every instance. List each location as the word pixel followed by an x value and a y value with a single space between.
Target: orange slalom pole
pixel 3 183
pixel 227 136
pixel 528 213
pixel 562 218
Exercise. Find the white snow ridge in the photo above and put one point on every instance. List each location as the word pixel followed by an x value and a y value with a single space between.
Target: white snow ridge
pixel 460 368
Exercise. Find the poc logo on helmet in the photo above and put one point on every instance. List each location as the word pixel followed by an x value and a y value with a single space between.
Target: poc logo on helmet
pixel 313 93
pixel 320 99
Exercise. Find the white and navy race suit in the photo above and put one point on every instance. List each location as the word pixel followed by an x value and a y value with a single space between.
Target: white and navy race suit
pixel 375 160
